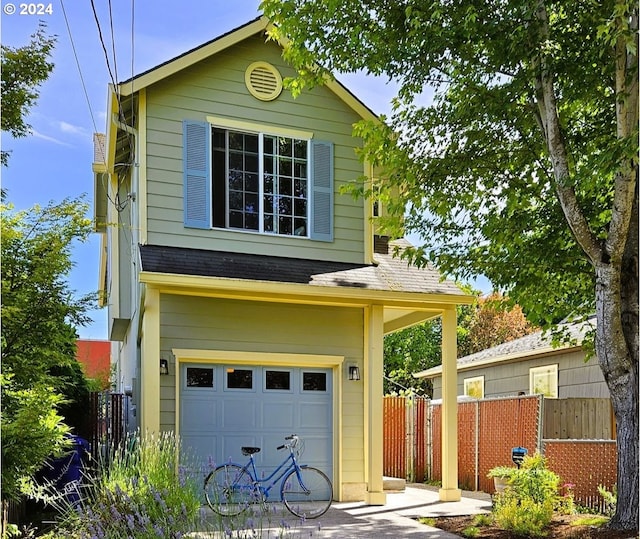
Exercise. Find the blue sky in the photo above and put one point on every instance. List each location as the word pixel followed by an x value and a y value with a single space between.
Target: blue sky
pixel 55 161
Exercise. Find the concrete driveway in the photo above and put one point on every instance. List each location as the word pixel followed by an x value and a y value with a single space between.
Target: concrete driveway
pixel 397 519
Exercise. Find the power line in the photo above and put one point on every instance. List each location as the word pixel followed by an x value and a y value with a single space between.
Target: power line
pixel 75 55
pixel 113 42
pixel 104 47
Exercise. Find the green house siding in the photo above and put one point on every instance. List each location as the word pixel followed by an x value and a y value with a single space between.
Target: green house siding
pixel 219 324
pixel 216 87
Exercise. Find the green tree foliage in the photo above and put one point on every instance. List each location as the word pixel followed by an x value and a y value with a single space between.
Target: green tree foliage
pixel 41 378
pixel 488 322
pixel 24 69
pixel 523 166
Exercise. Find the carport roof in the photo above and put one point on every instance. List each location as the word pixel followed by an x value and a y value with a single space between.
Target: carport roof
pixel 389 274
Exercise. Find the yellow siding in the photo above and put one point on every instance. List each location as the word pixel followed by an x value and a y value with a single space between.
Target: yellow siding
pixel 215 87
pixel 188 322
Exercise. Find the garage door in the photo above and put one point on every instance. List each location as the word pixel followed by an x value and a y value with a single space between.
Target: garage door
pixel 223 408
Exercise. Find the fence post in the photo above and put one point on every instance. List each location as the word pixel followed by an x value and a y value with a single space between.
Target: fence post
pixel 477 446
pixel 410 438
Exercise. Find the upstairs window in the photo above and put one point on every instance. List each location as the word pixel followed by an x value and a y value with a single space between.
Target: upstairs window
pixel 260 182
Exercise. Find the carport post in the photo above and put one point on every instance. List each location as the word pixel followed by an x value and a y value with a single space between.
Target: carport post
pixel 449 491
pixel 150 363
pixel 374 405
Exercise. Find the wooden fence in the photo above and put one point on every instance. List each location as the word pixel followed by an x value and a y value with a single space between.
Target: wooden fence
pixel 487 431
pixel 578 419
pixel 108 413
pixel 405 432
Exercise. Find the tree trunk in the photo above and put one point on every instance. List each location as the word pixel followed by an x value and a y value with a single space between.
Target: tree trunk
pixel 626 400
pixel 618 356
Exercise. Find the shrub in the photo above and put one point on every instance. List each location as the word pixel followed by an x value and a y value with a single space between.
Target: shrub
pixel 523 515
pixel 527 507
pixel 145 492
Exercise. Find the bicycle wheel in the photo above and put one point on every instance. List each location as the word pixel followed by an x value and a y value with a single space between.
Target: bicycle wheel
pixel 229 490
pixel 307 497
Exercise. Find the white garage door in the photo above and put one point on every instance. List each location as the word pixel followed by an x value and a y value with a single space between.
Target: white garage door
pixel 223 408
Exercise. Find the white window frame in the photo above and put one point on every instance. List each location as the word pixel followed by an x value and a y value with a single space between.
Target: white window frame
pixel 472 381
pixel 539 373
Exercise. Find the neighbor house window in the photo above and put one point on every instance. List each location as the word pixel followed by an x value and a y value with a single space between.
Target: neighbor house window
pixel 257 181
pixel 544 381
pixel 474 387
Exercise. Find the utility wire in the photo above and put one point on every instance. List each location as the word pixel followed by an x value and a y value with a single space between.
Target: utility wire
pixel 75 55
pixel 113 42
pixel 104 47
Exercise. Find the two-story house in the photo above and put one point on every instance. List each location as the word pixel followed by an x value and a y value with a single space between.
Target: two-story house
pixel 248 296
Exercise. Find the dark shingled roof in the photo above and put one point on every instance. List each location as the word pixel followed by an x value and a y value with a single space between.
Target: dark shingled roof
pixel 389 274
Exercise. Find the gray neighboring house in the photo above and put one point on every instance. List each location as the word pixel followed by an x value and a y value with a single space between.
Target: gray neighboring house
pixel 528 365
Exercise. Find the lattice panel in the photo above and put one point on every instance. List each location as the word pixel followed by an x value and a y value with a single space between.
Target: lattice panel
pixel 505 424
pixel 585 464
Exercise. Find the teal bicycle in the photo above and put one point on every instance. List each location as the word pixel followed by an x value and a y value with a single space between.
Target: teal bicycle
pixel 305 491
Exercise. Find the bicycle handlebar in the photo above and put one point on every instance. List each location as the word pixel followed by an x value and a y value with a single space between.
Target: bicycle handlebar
pixel 293 437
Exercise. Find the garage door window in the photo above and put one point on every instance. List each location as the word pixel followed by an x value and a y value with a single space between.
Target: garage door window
pixel 314 381
pixel 199 377
pixel 239 379
pixel 277 380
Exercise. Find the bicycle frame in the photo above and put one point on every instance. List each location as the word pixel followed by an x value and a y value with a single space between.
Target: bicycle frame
pixel 289 463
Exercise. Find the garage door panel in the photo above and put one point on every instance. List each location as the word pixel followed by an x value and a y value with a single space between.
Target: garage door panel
pixel 239 414
pixel 279 415
pixel 198 414
pixel 314 415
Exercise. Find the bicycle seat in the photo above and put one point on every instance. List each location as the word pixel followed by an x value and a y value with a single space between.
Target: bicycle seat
pixel 250 450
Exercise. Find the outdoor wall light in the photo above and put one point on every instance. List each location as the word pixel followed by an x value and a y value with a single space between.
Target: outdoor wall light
pixel 354 372
pixel 164 366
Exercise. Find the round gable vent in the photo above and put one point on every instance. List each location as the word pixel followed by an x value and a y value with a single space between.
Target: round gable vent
pixel 263 81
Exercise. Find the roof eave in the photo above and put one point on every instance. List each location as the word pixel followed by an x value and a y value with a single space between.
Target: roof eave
pixel 177 283
pixel 219 44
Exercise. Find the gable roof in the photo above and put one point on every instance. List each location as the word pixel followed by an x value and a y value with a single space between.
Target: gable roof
pixel 258 25
pixel 389 274
pixel 532 345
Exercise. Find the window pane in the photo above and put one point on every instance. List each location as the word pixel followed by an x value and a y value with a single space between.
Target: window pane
pixel 235 141
pixel 286 168
pixel 235 200
pixel 219 139
pixel 300 188
pixel 285 147
pixel 235 219
pixel 300 149
pixel 239 379
pixel 269 144
pixel 251 162
pixel 285 186
pixel 268 165
pixel 268 223
pixel 300 227
pixel 278 380
pixel 199 377
pixel 285 225
pixel 284 206
pixel 314 381
pixel 300 169
pixel 251 143
pixel 251 183
pixel 251 221
pixel 300 207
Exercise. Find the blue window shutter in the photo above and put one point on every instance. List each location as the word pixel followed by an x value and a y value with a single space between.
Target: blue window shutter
pixel 321 211
pixel 197 170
